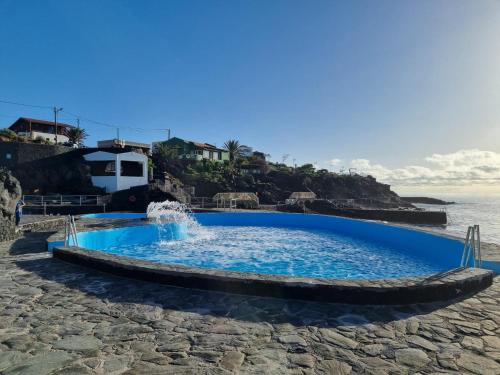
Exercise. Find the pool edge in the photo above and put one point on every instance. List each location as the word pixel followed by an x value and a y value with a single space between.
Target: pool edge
pixel 438 287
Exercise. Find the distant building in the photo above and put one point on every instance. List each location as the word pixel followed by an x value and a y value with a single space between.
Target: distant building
pixel 194 150
pixel 116 169
pixel 36 129
pixel 259 155
pixel 126 145
pixel 252 169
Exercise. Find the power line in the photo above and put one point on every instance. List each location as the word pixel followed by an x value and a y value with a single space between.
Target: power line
pixel 25 105
pixel 117 127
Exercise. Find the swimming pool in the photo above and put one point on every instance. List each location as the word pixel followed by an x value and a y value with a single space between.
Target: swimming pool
pixel 298 245
pixel 115 215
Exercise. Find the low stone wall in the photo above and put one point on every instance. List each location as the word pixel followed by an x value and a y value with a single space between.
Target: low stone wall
pixel 397 216
pixel 438 287
pixel 44 224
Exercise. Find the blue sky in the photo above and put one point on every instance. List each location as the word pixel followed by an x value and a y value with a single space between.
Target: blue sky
pixel 391 83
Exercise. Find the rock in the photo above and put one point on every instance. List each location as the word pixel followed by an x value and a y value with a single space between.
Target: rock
pixel 41 364
pixel 30 292
pixel 227 329
pixel 492 342
pixel 74 370
pixel 478 364
pixel 447 360
pixel 378 365
pixel 174 344
pixel 113 364
pixel 11 358
pixel 302 360
pixel 473 343
pixel 10 193
pixel 292 340
pixel 373 349
pixel 412 326
pixel 83 344
pixel 412 357
pixel 423 343
pixel 232 360
pixel 335 338
pixel 206 355
pixel 332 366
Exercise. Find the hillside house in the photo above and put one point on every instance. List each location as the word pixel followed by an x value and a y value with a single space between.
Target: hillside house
pixel 36 129
pixel 194 150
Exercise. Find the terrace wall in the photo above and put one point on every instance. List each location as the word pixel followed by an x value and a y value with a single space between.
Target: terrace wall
pixel 14 153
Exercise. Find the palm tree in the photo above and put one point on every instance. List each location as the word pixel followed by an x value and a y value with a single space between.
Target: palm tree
pixel 76 136
pixel 234 149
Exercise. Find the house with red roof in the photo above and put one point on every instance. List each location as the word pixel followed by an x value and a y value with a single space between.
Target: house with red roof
pixel 191 150
pixel 41 129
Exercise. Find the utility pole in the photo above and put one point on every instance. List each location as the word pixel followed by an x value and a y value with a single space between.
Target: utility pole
pixel 56 111
pixel 118 134
pixel 78 122
pixel 168 132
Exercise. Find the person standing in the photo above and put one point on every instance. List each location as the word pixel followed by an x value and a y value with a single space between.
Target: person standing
pixel 19 211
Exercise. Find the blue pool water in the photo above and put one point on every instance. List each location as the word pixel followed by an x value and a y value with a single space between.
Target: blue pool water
pixel 284 244
pixel 115 215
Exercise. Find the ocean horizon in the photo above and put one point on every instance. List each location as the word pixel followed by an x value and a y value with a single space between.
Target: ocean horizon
pixel 469 209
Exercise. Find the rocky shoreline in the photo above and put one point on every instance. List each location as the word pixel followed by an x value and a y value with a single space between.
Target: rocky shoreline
pixel 426 200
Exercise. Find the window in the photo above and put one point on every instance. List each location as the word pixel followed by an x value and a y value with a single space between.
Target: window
pixel 8 156
pixel 102 168
pixel 131 169
pixel 219 155
pixel 210 155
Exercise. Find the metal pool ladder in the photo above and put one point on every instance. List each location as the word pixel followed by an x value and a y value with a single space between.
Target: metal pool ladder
pixel 472 246
pixel 70 230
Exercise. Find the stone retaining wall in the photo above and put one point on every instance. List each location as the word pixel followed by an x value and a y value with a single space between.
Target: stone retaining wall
pixel 15 153
pixel 44 225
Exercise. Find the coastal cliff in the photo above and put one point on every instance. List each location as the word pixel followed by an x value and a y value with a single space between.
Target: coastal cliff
pixel 275 182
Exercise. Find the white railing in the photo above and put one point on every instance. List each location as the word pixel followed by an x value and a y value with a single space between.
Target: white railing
pixel 70 231
pixel 202 202
pixel 472 247
pixel 63 200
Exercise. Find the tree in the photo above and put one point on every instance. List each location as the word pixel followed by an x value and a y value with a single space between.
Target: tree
pixel 234 149
pixel 76 136
pixel 162 155
pixel 164 151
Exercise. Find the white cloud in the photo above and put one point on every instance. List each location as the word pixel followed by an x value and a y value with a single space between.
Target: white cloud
pixel 334 162
pixel 474 167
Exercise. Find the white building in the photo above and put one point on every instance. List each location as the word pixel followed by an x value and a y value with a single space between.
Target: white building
pixel 118 170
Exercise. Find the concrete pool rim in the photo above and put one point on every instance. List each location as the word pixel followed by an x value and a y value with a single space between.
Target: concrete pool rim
pixel 432 288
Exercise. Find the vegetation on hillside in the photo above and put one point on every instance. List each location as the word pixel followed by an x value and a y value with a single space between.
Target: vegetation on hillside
pixel 76 136
pixel 273 182
pixel 234 148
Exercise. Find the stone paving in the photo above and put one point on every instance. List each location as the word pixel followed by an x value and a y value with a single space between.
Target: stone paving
pixel 57 318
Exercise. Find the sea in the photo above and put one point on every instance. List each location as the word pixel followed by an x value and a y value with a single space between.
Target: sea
pixel 469 210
